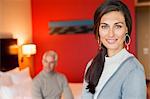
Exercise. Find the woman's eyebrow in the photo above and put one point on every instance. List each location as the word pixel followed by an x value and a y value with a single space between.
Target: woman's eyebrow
pixel 119 23
pixel 104 23
pixel 115 23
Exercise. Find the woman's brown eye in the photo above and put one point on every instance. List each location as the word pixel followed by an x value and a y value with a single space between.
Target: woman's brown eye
pixel 104 26
pixel 118 26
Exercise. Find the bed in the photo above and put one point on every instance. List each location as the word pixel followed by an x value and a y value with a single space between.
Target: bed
pixel 16 84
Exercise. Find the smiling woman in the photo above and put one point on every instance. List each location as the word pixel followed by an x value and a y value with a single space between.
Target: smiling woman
pixel 114 73
pixel 112 31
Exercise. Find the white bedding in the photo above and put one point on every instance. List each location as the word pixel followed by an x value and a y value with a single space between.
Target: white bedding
pixel 16 84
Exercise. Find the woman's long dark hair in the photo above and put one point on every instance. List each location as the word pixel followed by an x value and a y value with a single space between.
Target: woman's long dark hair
pixel 95 70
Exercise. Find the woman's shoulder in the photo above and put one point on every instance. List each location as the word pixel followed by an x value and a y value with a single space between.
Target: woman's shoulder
pixel 134 71
pixel 132 64
pixel 136 63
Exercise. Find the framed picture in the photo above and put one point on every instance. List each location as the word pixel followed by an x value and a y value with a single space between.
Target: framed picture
pixel 70 27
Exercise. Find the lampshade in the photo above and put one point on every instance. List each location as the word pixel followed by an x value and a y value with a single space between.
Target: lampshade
pixel 29 49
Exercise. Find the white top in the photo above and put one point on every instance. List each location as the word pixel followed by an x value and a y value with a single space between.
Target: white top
pixel 110 66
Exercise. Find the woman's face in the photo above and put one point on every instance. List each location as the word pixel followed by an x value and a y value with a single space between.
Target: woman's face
pixel 48 63
pixel 112 31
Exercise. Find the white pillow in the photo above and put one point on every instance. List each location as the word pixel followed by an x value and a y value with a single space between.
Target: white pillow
pixel 5 80
pixel 21 76
pixel 23 89
pixel 5 77
pixel 13 71
pixel 7 92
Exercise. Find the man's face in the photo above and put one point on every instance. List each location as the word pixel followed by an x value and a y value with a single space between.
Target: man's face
pixel 49 63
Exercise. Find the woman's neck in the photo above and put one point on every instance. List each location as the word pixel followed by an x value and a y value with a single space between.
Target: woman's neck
pixel 113 52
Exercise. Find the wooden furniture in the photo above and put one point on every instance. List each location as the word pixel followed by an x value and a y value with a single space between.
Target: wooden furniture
pixel 8 54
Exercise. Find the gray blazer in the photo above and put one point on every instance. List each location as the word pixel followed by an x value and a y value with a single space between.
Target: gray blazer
pixel 128 82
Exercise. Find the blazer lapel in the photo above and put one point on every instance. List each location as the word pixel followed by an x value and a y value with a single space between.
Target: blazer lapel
pixel 114 73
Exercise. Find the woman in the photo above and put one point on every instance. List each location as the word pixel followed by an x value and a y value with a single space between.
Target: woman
pixel 114 73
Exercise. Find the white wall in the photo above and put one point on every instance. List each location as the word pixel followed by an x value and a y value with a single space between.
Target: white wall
pixel 15 19
pixel 1 15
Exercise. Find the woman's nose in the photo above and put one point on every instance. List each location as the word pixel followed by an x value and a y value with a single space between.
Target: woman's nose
pixel 111 32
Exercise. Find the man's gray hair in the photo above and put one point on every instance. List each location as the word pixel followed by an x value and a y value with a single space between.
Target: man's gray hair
pixel 51 53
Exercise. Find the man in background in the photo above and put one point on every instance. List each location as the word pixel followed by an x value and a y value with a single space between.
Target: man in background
pixel 49 84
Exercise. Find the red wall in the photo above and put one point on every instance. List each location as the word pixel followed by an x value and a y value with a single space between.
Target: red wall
pixel 74 50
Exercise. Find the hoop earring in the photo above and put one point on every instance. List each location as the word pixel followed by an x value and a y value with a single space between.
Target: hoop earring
pixel 127 40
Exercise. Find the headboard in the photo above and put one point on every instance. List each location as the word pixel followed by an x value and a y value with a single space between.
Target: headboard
pixel 8 54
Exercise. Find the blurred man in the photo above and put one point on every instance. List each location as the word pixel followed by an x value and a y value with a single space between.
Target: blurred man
pixel 49 84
